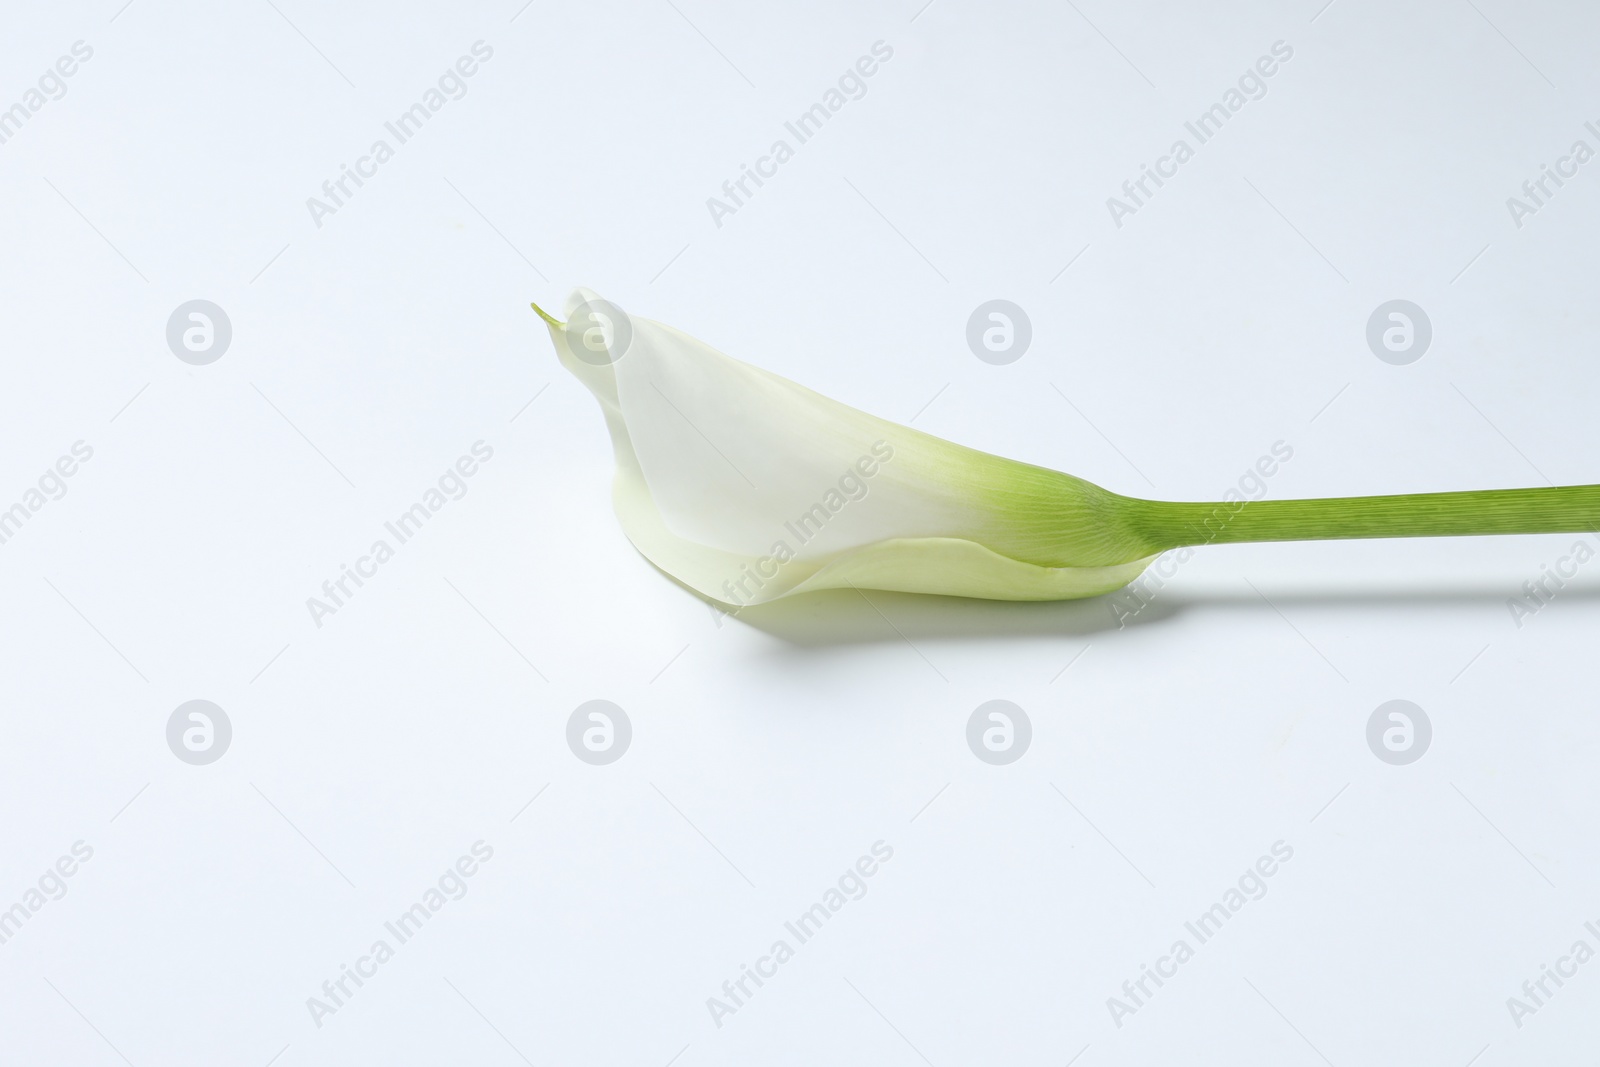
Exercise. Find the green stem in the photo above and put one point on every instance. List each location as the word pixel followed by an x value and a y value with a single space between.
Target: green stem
pixel 1490 511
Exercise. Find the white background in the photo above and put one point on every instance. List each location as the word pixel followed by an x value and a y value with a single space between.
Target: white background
pixel 771 750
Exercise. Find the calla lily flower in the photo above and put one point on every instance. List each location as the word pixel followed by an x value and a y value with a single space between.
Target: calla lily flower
pixel 747 487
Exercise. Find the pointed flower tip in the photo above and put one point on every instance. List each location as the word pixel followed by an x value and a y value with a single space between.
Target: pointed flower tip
pixel 545 315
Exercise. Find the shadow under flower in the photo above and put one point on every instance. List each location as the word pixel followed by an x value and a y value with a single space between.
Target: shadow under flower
pixel 848 617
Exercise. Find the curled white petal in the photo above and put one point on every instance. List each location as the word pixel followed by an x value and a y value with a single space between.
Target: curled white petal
pixel 746 486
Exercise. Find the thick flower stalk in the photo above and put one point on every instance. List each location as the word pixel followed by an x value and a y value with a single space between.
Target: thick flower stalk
pixel 747 487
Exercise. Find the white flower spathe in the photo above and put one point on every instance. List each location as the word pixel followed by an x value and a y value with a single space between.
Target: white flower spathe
pixel 746 487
